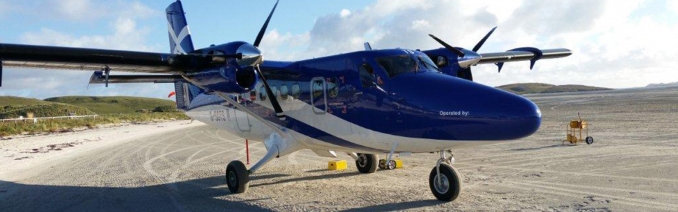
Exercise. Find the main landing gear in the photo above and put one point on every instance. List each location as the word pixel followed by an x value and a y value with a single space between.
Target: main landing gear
pixel 237 177
pixel 367 163
pixel 444 180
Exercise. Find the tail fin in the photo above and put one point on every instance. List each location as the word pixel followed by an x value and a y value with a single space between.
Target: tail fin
pixel 179 35
pixel 181 43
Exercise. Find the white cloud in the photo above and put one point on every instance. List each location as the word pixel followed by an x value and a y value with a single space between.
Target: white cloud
pixel 126 36
pixel 124 33
pixel 344 13
pixel 673 6
pixel 611 42
pixel 75 9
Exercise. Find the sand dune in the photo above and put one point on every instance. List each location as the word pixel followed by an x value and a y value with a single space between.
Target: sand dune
pixel 632 166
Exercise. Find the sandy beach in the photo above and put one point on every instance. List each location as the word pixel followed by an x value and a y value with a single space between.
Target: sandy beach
pixel 176 166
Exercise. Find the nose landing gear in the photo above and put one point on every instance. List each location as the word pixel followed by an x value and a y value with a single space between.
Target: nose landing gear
pixel 444 180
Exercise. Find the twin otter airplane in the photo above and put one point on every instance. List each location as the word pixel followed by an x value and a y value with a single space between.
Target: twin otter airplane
pixel 363 103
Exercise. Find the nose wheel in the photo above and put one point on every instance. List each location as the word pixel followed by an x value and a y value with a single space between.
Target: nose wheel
pixel 237 177
pixel 444 180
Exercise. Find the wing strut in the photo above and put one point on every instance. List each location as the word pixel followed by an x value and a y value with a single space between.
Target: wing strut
pixel 0 73
pixel 107 73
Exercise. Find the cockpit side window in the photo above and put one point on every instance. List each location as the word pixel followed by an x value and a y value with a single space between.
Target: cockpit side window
pixel 366 75
pixel 428 63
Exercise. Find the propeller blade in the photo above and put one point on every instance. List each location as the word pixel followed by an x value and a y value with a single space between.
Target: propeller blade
pixel 263 28
pixel 274 101
pixel 447 46
pixel 480 44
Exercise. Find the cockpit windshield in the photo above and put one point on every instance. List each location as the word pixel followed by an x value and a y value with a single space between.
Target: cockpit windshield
pixel 427 62
pixel 398 64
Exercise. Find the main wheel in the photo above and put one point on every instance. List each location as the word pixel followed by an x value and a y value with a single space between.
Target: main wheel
pixel 449 187
pixel 367 163
pixel 237 177
pixel 391 165
pixel 589 140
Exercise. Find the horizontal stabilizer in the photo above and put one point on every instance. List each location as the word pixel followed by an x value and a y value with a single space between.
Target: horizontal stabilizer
pixel 98 77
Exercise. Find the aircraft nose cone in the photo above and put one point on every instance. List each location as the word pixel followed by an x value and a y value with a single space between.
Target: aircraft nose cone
pixel 520 119
pixel 462 110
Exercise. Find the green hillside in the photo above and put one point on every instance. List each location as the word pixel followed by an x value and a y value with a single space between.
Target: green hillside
pixel 528 88
pixel 42 110
pixel 114 104
pixel 573 88
pixel 13 100
pixel 13 107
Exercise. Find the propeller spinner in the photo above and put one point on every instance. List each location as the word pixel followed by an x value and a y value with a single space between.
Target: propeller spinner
pixel 464 73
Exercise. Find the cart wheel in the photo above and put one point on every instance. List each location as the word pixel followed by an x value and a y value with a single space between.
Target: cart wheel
pixel 589 140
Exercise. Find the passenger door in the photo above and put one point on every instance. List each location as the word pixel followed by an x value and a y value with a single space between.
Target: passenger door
pixel 319 95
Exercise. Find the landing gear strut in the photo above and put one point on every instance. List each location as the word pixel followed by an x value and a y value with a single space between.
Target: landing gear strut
pixel 444 180
pixel 367 163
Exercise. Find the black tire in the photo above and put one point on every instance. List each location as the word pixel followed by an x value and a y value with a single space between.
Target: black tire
pixel 237 177
pixel 451 183
pixel 367 163
pixel 589 140
pixel 391 165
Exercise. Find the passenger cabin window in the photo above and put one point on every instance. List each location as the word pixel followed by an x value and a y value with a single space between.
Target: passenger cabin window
pixel 274 90
pixel 253 95
pixel 332 87
pixel 284 93
pixel 262 93
pixel 395 65
pixel 366 75
pixel 296 91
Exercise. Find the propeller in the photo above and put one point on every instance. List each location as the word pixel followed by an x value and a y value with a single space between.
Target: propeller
pixel 252 55
pixel 263 28
pixel 464 73
pixel 482 41
pixel 447 46
pixel 274 101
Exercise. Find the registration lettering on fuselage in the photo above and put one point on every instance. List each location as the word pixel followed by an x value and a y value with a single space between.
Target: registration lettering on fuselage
pixel 220 115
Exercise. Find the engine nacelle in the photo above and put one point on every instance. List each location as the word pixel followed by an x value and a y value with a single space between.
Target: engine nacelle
pixel 230 70
pixel 227 79
pixel 447 62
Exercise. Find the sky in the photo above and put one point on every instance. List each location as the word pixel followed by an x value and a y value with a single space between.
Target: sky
pixel 615 44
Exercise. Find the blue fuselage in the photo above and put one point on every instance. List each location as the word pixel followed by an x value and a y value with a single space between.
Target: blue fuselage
pixel 393 92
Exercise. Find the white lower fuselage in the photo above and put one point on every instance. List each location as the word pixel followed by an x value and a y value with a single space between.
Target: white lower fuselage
pixel 353 138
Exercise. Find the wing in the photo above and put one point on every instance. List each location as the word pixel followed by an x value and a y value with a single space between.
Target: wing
pixel 50 57
pixel 522 54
